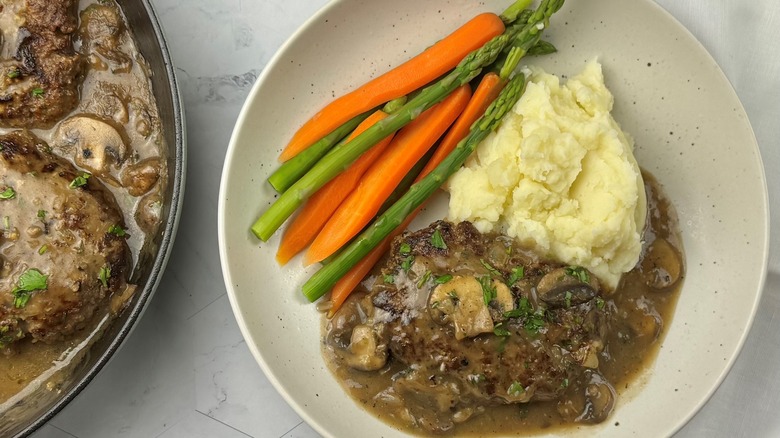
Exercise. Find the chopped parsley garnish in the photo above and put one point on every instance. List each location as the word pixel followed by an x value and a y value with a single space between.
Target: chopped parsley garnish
pixel 30 281
pixel 406 264
pixel 389 279
pixel 532 321
pixel 454 297
pixel 42 250
pixel 424 279
pixel 118 231
pixel 600 303
pixel 37 92
pixel 500 330
pixel 567 298
pixel 565 383
pixel 104 275
pixel 578 272
pixel 13 74
pixel 493 271
pixel 489 292
pixel 79 181
pixel 42 214
pixel 8 193
pixel 437 241
pixel 517 274
pixel 443 279
pixel 515 389
pixel 405 249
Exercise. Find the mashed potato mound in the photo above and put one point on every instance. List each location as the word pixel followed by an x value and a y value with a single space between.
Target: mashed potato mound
pixel 559 175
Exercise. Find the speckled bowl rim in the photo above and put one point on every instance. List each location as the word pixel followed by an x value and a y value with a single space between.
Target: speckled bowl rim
pixel 247 318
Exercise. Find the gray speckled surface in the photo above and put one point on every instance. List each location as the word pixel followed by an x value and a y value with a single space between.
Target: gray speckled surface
pixel 186 371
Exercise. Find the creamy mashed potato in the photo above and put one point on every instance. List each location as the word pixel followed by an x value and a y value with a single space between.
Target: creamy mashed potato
pixel 560 176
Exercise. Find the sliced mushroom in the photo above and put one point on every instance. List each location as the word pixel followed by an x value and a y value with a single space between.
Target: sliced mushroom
pixel 141 177
pixel 566 287
pixel 148 213
pixel 591 402
pixel 662 265
pixel 366 353
pixel 588 355
pixel 461 301
pixel 94 144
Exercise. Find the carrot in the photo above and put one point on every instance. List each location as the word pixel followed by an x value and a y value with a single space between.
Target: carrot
pixel 403 79
pixel 321 205
pixel 489 88
pixel 409 144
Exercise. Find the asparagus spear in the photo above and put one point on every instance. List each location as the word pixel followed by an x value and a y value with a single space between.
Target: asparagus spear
pixel 338 160
pixel 297 166
pixel 324 279
pixel 335 162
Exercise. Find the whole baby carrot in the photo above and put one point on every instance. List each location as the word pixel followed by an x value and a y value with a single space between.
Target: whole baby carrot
pixel 435 61
pixel 409 144
pixel 321 205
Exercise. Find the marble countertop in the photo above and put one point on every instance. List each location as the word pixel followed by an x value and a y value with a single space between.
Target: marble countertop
pixel 187 372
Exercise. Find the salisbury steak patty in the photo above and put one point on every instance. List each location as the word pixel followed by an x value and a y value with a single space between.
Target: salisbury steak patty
pixel 62 246
pixel 478 321
pixel 39 83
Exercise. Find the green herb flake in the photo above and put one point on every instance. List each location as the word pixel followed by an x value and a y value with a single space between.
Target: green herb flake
pixel 435 305
pixel 437 241
pixel 600 303
pixel 30 281
pixel 79 181
pixel 578 272
pixel 405 249
pixel 389 279
pixel 443 279
pixel 454 297
pixel 13 74
pixel 565 383
pixel 567 298
pixel 500 330
pixel 493 271
pixel 517 274
pixel 406 264
pixel 8 193
pixel 502 344
pixel 424 279
pixel 37 92
pixel 104 275
pixel 515 389
pixel 42 214
pixel 42 250
pixel 534 323
pixel 489 292
pixel 117 230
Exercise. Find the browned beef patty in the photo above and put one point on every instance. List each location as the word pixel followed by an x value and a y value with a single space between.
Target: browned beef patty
pixel 39 83
pixel 479 322
pixel 61 225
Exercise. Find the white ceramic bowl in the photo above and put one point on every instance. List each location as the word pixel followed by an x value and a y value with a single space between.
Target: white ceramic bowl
pixel 691 132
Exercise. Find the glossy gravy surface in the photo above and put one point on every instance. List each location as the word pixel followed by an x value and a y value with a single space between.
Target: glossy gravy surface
pixel 116 89
pixel 640 312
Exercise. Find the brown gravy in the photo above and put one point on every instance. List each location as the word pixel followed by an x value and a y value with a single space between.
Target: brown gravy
pixel 116 91
pixel 641 311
